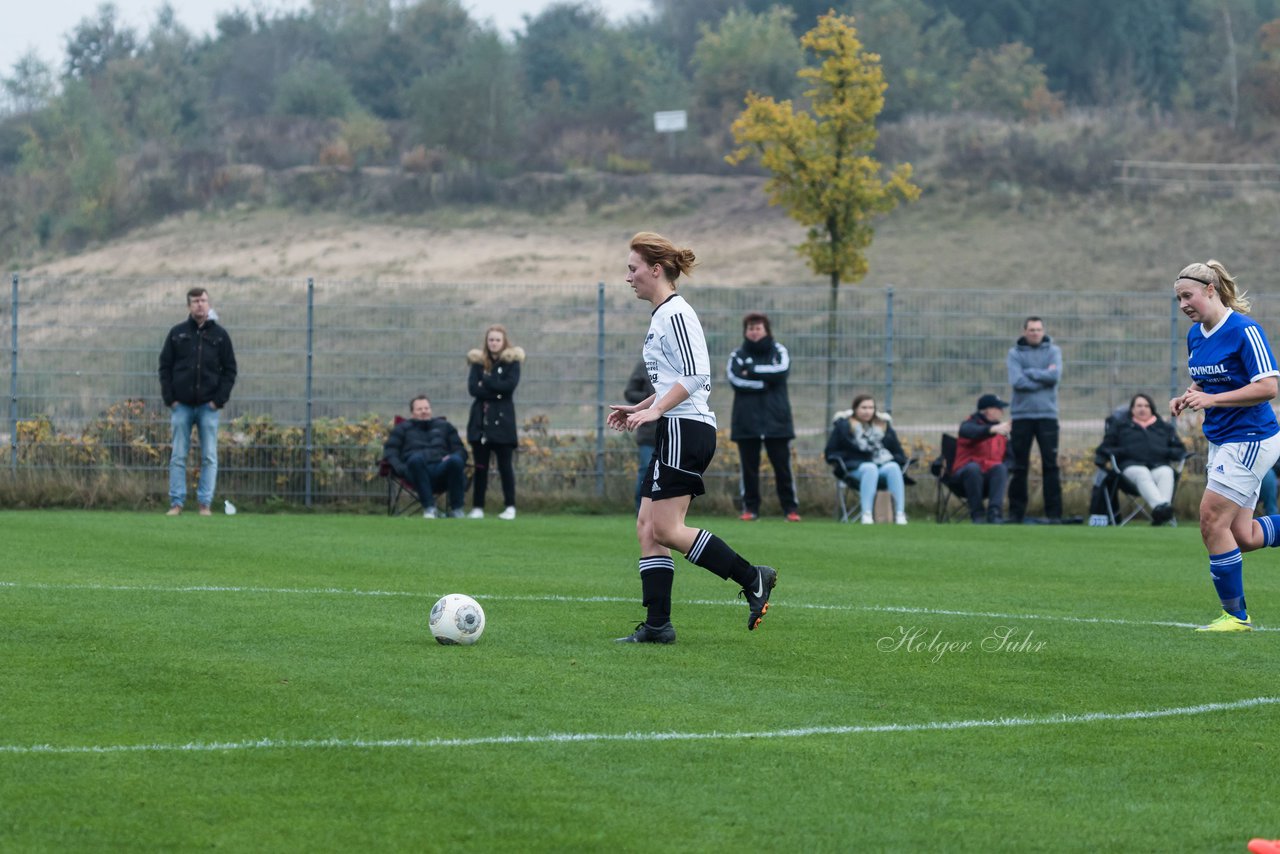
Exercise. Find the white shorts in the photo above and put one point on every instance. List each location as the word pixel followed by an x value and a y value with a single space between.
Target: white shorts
pixel 1235 469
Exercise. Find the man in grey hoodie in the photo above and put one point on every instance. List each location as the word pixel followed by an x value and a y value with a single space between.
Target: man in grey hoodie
pixel 1035 369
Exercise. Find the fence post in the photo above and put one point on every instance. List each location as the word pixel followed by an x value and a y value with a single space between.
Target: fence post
pixel 888 349
pixel 600 389
pixel 13 380
pixel 311 308
pixel 1173 348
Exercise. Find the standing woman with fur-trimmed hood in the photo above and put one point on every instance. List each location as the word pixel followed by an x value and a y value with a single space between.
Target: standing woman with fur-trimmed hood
pixel 495 373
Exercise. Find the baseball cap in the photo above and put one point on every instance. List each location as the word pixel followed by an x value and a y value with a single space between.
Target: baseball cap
pixel 989 400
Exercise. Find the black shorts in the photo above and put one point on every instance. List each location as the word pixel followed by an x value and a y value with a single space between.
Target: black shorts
pixel 683 452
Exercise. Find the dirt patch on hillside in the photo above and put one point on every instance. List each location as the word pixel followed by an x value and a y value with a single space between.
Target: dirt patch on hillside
pixel 1010 241
pixel 737 236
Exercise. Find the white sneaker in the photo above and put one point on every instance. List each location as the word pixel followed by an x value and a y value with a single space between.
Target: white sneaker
pixel 868 519
pixel 476 513
pixel 429 513
pixel 509 513
pixel 900 518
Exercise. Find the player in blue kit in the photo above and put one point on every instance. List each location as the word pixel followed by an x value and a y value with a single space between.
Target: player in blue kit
pixel 1233 379
pixel 675 356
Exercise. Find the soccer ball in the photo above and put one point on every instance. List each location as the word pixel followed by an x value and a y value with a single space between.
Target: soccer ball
pixel 457 618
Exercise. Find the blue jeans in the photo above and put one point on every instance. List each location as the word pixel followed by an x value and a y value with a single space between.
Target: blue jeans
pixel 976 484
pixel 870 476
pixel 447 475
pixel 182 417
pixel 644 456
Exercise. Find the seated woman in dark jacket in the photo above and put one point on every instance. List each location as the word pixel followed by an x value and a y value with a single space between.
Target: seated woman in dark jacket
pixel 865 441
pixel 1145 448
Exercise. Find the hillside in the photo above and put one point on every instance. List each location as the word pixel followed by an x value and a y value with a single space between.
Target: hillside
pixel 1032 242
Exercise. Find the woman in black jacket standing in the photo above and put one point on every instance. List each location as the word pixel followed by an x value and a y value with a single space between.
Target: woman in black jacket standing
pixel 494 375
pixel 762 415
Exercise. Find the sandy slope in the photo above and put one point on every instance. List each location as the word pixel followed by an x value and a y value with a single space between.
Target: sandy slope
pixel 736 235
pixel 947 241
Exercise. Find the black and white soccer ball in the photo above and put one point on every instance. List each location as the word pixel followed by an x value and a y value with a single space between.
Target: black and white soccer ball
pixel 457 619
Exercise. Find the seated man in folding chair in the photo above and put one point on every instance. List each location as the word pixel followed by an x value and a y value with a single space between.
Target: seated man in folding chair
pixel 430 454
pixel 982 461
pixel 1144 449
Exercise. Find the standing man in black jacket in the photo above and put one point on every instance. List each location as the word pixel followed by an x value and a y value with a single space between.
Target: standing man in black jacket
pixel 197 371
pixel 429 452
pixel 762 414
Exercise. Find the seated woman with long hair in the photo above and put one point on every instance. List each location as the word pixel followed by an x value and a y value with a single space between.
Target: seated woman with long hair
pixel 864 439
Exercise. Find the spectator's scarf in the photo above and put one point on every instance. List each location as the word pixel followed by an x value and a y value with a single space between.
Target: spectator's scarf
pixel 870 440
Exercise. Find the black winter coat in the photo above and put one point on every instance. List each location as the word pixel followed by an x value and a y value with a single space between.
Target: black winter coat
pixel 493 412
pixel 761 407
pixel 197 365
pixel 638 390
pixel 1157 445
pixel 436 437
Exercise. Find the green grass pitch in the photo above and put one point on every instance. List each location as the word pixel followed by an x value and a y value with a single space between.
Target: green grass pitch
pixel 265 683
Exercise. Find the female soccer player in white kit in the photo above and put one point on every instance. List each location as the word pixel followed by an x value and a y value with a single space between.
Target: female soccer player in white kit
pixel 675 355
pixel 1233 381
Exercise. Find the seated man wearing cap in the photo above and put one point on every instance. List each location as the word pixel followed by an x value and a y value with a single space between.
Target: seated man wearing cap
pixel 982 459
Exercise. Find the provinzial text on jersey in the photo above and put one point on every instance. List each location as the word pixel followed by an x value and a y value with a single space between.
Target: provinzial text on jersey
pixel 1207 370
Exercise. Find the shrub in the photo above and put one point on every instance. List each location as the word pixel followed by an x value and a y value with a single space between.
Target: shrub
pixel 420 159
pixel 336 153
pixel 131 433
pixel 1007 82
pixel 119 460
pixel 365 137
pixel 626 165
pixel 314 90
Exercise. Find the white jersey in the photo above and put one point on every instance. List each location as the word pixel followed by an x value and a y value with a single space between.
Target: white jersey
pixel 675 353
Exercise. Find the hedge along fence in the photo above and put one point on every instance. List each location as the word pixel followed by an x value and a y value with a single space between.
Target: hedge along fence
pixel 317 360
pixel 259 459
pixel 121 460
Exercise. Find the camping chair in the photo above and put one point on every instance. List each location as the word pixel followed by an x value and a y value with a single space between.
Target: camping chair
pixel 943 471
pixel 847 507
pixel 1123 501
pixel 402 495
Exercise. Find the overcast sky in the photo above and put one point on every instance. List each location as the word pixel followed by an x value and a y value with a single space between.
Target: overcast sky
pixel 44 24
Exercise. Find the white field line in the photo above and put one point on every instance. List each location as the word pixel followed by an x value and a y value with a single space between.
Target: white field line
pixel 588 737
pixel 342 591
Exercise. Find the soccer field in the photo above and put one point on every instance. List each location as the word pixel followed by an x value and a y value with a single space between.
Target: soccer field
pixel 269 683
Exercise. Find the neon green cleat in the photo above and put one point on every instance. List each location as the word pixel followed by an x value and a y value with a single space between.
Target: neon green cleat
pixel 1228 623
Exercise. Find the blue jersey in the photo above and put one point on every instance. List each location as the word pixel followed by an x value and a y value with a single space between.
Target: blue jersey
pixel 1230 356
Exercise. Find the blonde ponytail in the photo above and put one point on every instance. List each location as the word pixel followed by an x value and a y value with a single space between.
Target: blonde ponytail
pixel 1213 273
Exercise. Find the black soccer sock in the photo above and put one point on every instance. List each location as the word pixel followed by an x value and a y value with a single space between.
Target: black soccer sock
pixel 714 555
pixel 657 574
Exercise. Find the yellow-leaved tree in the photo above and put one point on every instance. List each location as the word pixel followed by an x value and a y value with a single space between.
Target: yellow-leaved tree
pixel 823 171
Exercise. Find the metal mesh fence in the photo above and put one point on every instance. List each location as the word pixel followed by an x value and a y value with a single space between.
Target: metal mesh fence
pixel 324 367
